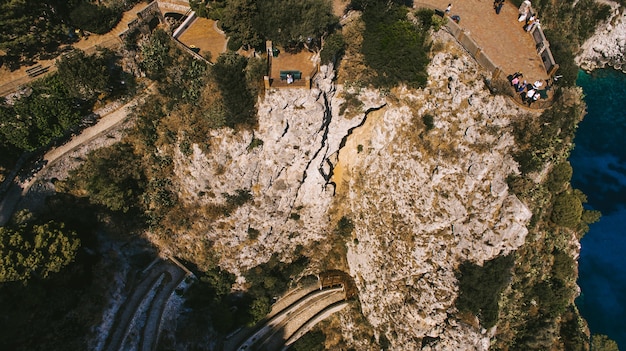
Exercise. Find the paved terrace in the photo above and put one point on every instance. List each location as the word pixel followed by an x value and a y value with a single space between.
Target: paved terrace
pixel 501 37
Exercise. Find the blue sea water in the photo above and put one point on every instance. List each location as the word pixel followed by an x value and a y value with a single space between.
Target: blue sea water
pixel 599 162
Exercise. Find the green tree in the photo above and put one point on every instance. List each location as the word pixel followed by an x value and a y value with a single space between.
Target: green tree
pixel 393 47
pixel 156 55
pixel 35 120
pixel 259 308
pixel 560 175
pixel 480 287
pixel 312 341
pixel 333 48
pixel 567 210
pixel 35 251
pixel 239 19
pixel 85 76
pixel 112 177
pixel 94 18
pixel 601 342
pixel 230 74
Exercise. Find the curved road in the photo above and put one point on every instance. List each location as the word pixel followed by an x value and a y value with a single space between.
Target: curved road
pixel 148 297
pixel 268 336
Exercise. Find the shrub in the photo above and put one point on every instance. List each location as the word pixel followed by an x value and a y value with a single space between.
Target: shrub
pixel 567 210
pixel 344 227
pixel 312 341
pixel 480 288
pixel 333 49
pixel 94 18
pixel 393 47
pixel 230 75
pixel 428 120
pixel 560 175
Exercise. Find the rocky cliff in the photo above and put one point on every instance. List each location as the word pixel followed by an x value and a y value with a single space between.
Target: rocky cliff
pixel 607 47
pixel 425 200
pixel 421 174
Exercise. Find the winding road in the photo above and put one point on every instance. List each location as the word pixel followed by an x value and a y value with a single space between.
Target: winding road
pixel 138 321
pixel 284 324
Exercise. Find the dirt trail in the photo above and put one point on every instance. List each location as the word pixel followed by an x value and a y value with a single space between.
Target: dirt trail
pixel 18 189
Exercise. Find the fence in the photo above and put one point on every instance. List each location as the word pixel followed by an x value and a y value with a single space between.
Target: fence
pixel 484 61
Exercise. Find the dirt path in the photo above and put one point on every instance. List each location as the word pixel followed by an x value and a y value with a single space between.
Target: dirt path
pixel 10 81
pixel 18 189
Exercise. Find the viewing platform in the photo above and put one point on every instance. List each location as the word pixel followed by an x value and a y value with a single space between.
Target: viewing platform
pixel 498 41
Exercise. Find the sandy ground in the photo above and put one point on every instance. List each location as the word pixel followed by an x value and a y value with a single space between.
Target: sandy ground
pixel 204 34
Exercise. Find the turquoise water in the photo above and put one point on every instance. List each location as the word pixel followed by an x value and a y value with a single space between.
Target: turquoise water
pixel 599 162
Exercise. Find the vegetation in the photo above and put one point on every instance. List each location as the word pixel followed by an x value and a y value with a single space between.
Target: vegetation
pixel 88 76
pixel 567 210
pixel 601 342
pixel 311 341
pixel 112 177
pixel 394 47
pixel 34 29
pixel 291 24
pixel 37 119
pixel 238 101
pixel 209 300
pixel 333 49
pixel 35 250
pixel 549 137
pixel 480 288
pixel 93 18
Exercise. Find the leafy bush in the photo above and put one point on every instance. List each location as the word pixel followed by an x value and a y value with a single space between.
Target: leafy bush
pixel 156 55
pixel 333 49
pixel 344 228
pixel 112 177
pixel 480 288
pixel 601 342
pixel 85 76
pixel 35 251
pixel 312 341
pixel 41 117
pixel 429 122
pixel 230 74
pixel 94 18
pixel 289 23
pixel 560 176
pixel 394 47
pixel 567 210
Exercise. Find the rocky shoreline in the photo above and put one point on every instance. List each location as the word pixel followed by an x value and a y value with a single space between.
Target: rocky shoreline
pixel 607 47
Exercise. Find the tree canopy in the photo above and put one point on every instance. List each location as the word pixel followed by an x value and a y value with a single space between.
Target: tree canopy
pixel 35 120
pixel 112 177
pixel 286 22
pixel 85 76
pixel 393 47
pixel 35 250
pixel 31 28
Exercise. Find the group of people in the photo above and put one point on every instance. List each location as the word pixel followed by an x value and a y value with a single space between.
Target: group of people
pixel 529 93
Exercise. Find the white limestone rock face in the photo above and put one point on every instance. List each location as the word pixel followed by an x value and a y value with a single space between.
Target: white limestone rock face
pixel 288 174
pixel 607 47
pixel 423 202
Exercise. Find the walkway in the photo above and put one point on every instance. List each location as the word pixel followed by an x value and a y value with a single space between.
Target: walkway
pixel 19 188
pixel 501 37
pixel 11 81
